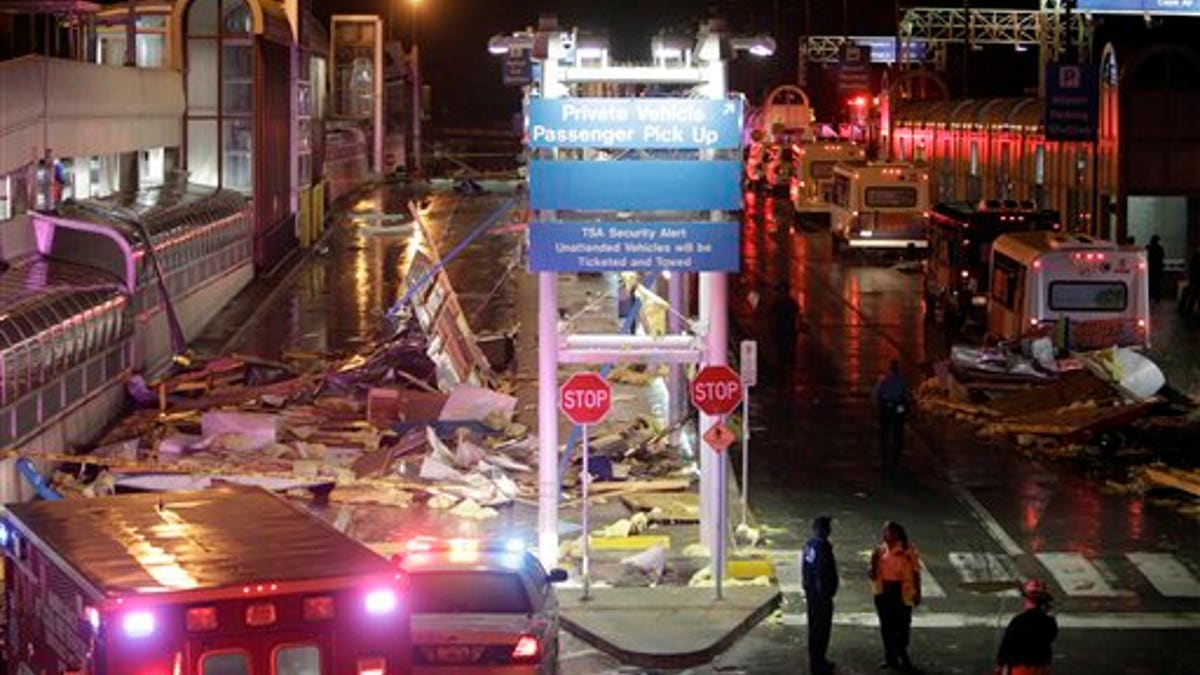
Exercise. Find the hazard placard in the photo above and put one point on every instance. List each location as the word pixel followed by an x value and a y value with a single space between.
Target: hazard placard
pixel 719 437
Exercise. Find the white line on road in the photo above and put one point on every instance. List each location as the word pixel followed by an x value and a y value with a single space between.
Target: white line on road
pixel 988 521
pixel 930 588
pixel 1093 621
pixel 985 572
pixel 1077 576
pixel 1168 575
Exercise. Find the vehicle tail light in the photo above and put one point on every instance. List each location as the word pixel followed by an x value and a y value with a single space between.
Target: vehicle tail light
pixel 527 649
pixel 1141 323
pixel 201 619
pixel 138 624
pixel 372 665
pixel 260 614
pixel 318 608
pixel 381 601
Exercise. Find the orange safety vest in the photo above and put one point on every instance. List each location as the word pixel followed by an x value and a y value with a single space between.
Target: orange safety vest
pixel 908 576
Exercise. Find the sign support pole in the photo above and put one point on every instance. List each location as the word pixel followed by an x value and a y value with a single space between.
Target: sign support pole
pixel 718 557
pixel 745 453
pixel 585 477
pixel 548 418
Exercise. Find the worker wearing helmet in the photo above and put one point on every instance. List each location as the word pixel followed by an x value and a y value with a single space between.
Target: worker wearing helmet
pixel 1025 649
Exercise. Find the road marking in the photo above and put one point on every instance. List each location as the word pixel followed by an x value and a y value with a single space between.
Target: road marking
pixel 985 572
pixel 580 654
pixel 930 588
pixel 787 571
pixel 1077 576
pixel 1092 621
pixel 1167 574
pixel 985 518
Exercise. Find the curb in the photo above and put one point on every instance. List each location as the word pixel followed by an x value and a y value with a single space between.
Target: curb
pixel 688 659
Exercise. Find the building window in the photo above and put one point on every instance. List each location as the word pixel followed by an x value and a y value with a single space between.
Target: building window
pixel 220 94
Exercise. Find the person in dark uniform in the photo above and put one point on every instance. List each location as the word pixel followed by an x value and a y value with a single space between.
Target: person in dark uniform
pixel 1156 260
pixel 820 578
pixel 893 399
pixel 785 318
pixel 1025 649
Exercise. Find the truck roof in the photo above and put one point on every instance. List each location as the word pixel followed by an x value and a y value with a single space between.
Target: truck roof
pixel 1026 246
pixel 183 541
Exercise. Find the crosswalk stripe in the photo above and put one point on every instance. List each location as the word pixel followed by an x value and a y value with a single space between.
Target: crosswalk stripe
pixel 986 572
pixel 1167 574
pixel 787 572
pixel 930 588
pixel 1077 576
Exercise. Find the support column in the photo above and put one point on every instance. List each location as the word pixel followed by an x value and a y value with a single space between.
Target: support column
pixel 676 382
pixel 713 314
pixel 548 418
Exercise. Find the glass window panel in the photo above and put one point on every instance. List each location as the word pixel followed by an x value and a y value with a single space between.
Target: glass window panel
pixel 237 17
pixel 227 663
pixel 202 77
pixel 298 660
pixel 150 50
pixel 151 22
pixel 238 141
pixel 202 17
pixel 112 50
pixel 202 152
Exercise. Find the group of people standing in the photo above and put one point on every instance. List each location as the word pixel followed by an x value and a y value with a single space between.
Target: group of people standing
pixel 895 577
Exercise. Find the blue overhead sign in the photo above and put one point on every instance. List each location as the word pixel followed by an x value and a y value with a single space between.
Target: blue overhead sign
pixel 1139 6
pixel 1072 109
pixel 646 123
pixel 621 246
pixel 635 185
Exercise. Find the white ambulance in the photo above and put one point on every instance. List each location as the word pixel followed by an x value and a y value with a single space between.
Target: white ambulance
pixel 1091 293
pixel 880 205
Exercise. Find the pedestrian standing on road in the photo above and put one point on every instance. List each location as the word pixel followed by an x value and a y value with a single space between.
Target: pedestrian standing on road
pixel 1025 649
pixel 896 583
pixel 894 400
pixel 784 318
pixel 1156 257
pixel 820 578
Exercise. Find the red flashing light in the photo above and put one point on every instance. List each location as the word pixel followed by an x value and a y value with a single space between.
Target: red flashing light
pixel 859 101
pixel 527 649
pixel 261 614
pixel 420 545
pixel 200 619
pixel 372 665
pixel 1141 323
pixel 1142 266
pixel 318 608
pixel 1037 264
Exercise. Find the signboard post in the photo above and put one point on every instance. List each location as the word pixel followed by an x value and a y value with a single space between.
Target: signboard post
pixel 585 398
pixel 716 391
pixel 749 364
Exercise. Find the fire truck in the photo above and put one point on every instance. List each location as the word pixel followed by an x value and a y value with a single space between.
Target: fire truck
pixel 1088 293
pixel 224 581
pixel 879 205
pixel 813 191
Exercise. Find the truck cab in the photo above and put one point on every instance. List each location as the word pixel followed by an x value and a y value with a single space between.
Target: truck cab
pixel 1089 293
pixel 879 206
pixel 228 581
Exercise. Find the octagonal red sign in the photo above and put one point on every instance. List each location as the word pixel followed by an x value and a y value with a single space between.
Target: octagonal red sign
pixel 717 390
pixel 585 398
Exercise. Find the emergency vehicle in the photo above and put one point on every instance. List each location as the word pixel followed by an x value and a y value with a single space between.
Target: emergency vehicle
pixel 813 191
pixel 961 235
pixel 225 581
pixel 879 205
pixel 1089 292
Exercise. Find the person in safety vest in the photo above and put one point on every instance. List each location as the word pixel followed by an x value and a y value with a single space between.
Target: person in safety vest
pixel 820 577
pixel 896 583
pixel 1025 649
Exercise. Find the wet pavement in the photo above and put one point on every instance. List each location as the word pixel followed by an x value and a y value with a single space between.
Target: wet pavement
pixel 1123 570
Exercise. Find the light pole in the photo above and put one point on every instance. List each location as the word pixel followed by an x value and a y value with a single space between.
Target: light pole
pixel 415 65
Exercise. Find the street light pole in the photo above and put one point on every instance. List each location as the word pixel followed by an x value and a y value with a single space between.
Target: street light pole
pixel 415 65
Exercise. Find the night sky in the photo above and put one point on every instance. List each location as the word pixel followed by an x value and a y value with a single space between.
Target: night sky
pixel 453 35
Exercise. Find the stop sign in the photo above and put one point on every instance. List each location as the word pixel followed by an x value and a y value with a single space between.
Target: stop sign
pixel 585 398
pixel 717 390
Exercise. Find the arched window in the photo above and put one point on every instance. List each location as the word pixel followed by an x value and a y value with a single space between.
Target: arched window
pixel 220 93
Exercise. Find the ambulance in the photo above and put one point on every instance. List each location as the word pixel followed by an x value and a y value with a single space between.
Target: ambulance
pixel 880 205
pixel 1088 293
pixel 225 581
pixel 812 194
